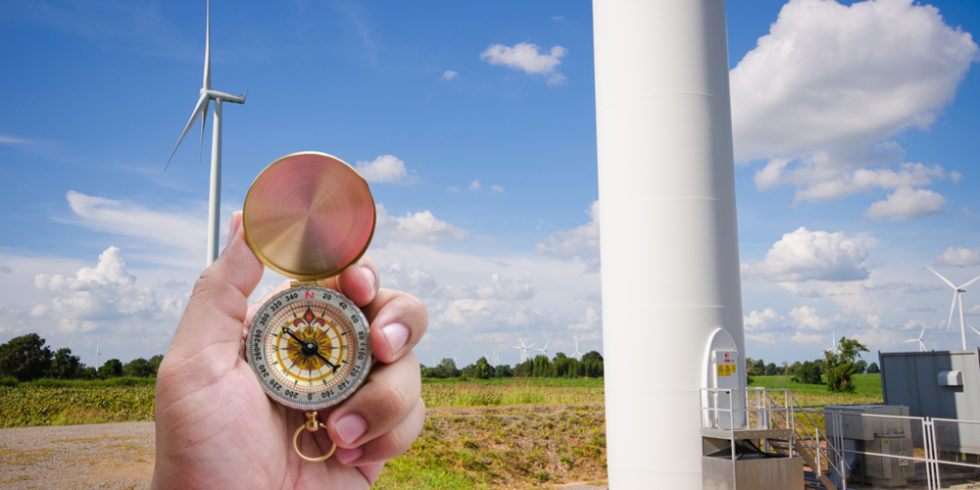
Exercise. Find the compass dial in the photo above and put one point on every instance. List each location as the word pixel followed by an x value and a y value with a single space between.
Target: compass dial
pixel 309 347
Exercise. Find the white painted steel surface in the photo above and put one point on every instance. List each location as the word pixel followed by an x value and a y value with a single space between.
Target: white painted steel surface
pixel 214 199
pixel 669 249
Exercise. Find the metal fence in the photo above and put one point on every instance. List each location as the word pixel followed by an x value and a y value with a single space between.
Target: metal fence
pixel 863 450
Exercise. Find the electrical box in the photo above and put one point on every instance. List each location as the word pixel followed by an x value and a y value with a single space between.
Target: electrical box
pixel 950 378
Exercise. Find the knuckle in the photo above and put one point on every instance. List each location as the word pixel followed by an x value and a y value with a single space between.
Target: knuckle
pixel 389 399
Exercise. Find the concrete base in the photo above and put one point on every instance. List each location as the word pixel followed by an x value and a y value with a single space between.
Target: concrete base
pixel 720 473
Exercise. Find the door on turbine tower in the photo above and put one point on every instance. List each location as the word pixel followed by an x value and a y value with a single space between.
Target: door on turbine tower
pixel 724 400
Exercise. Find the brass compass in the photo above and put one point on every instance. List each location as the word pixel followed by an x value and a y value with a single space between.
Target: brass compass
pixel 309 216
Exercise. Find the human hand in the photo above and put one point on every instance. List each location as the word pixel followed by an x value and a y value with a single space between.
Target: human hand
pixel 216 428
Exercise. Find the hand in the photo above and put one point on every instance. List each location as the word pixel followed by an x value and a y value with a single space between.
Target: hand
pixel 216 428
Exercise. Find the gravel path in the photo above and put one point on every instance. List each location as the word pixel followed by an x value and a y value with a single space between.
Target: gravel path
pixel 77 456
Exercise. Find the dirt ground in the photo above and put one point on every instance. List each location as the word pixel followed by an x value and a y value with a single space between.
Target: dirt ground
pixel 110 456
pixel 77 456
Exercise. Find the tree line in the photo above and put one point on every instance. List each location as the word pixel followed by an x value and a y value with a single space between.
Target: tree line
pixel 835 370
pixel 27 358
pixel 561 366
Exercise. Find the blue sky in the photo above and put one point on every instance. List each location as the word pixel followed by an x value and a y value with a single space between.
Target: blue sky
pixel 856 135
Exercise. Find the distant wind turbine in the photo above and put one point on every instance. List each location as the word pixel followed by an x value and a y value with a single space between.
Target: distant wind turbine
pixel 922 345
pixel 577 354
pixel 200 111
pixel 544 350
pixel 493 359
pixel 957 300
pixel 523 348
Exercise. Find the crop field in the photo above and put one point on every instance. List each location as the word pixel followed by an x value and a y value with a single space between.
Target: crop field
pixel 499 433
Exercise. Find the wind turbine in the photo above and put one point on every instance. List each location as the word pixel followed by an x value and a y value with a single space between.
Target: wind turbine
pixel 201 110
pixel 922 345
pixel 544 350
pixel 524 348
pixel 577 354
pixel 957 300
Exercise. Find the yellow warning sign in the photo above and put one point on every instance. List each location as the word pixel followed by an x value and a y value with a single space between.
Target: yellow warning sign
pixel 726 369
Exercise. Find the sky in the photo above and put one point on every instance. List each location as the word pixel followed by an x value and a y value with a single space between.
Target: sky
pixel 856 130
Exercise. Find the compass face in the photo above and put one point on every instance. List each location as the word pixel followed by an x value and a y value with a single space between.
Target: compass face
pixel 309 347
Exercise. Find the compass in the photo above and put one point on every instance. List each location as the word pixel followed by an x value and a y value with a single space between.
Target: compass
pixel 309 216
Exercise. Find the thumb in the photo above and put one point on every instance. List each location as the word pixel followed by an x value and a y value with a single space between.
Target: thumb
pixel 216 311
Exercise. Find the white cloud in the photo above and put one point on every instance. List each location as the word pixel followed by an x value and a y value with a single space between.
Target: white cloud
pixel 906 203
pixel 762 320
pixel 9 139
pixel 449 75
pixel 103 297
pixel 496 188
pixel 582 240
pixel 474 185
pixel 591 320
pixel 828 73
pixel 813 255
pixel 806 318
pixel 418 227
pixel 385 169
pixel 820 95
pixel 527 58
pixel 959 257
pixel 503 289
pixel 150 228
pixel 484 302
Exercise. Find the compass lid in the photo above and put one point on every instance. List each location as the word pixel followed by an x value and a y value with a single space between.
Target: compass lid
pixel 309 216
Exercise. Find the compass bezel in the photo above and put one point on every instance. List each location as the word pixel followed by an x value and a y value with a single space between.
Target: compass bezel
pixel 313 396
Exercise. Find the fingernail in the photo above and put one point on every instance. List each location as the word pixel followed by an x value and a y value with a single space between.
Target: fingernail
pixel 369 275
pixel 235 224
pixel 350 428
pixel 396 334
pixel 348 456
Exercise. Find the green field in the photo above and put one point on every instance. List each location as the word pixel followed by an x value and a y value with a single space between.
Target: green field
pixel 867 389
pixel 499 433
pixel 131 399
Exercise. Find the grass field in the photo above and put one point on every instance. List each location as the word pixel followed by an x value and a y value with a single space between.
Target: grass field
pixel 500 433
pixel 867 389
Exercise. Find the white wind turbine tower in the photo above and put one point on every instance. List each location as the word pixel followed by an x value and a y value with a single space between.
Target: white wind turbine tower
pixel 957 300
pixel 922 345
pixel 524 348
pixel 201 110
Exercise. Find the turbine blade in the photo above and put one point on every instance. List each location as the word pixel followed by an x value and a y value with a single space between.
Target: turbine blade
pixel 207 48
pixel 190 122
pixel 952 308
pixel 909 341
pixel 204 123
pixel 967 283
pixel 947 281
pixel 974 330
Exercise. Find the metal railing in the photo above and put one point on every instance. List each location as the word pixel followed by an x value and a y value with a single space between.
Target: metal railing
pixel 722 410
pixel 941 448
